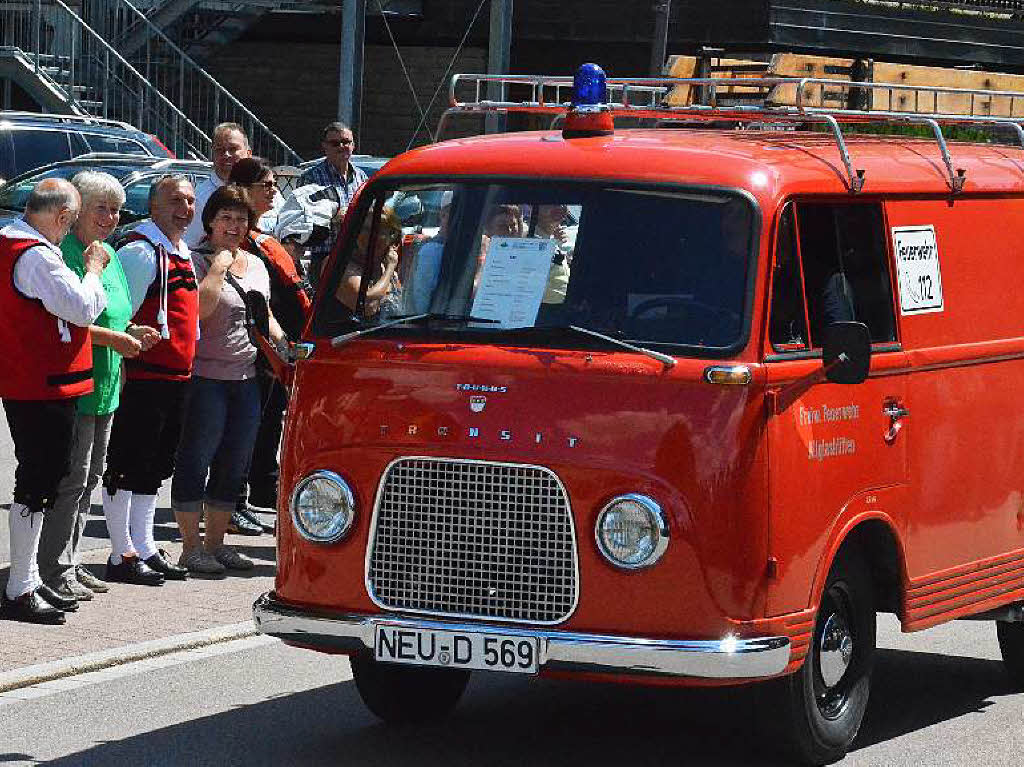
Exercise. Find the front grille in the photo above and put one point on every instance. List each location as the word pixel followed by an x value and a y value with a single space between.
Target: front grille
pixel 473 539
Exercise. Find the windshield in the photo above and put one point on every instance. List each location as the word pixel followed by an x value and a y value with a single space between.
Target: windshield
pixel 647 266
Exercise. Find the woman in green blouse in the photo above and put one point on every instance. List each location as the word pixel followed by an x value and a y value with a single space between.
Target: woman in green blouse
pixel 113 337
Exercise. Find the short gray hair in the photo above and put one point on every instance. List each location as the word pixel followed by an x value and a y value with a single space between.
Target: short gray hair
pixel 94 183
pixel 51 194
pixel 167 178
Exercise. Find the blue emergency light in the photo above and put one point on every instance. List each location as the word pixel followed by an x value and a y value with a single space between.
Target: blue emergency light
pixel 589 86
pixel 589 115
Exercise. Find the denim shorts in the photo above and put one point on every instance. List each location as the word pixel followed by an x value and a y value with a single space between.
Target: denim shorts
pixel 221 419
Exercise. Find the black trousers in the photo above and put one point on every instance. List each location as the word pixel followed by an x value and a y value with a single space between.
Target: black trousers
pixel 145 435
pixel 42 431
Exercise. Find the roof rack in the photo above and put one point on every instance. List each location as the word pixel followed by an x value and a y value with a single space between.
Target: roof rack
pixel 647 97
pixel 64 118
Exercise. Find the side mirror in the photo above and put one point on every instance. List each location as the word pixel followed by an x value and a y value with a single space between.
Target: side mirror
pixel 847 352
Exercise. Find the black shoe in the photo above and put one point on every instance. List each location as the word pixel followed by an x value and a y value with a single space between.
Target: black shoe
pixel 244 523
pixel 30 608
pixel 67 604
pixel 133 570
pixel 161 563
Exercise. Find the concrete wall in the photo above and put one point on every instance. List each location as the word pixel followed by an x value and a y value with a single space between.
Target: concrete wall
pixel 293 87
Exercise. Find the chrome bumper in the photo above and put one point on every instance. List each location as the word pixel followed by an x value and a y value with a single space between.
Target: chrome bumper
pixel 728 658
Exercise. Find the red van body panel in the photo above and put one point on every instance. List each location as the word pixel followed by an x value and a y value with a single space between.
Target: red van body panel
pixel 757 511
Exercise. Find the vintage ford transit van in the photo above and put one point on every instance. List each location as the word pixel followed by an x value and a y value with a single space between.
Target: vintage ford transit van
pixel 677 405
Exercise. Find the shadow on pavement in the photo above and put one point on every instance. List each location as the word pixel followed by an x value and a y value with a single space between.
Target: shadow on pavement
pixel 515 721
pixel 912 690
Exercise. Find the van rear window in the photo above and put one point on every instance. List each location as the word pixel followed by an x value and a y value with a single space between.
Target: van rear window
pixel 655 267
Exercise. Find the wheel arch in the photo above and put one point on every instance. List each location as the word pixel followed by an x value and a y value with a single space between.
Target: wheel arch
pixel 874 538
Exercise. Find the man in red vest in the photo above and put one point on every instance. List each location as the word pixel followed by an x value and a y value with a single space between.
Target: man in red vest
pixel 144 436
pixel 46 312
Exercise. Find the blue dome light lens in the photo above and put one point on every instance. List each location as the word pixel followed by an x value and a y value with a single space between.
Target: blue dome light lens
pixel 589 86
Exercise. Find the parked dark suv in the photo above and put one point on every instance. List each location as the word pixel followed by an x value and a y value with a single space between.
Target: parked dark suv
pixel 30 140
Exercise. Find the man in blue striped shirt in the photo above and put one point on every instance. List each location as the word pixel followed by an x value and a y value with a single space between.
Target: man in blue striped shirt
pixel 337 173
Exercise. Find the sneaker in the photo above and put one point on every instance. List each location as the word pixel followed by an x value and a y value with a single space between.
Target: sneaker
pixel 69 588
pixel 231 559
pixel 198 561
pixel 90 581
pixel 243 523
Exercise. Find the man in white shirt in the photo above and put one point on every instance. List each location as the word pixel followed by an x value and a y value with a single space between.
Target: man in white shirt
pixel 230 144
pixel 47 311
pixel 144 436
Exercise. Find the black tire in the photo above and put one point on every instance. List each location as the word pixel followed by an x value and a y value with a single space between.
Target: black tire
pixel 1011 645
pixel 827 697
pixel 401 694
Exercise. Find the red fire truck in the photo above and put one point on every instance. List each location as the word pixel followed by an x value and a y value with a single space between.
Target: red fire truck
pixel 685 404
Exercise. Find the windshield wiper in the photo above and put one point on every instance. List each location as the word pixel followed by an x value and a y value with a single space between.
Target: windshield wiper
pixel 426 317
pixel 662 358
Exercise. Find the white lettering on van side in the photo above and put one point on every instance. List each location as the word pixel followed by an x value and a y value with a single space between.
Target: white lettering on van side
pixel 827 414
pixel 820 449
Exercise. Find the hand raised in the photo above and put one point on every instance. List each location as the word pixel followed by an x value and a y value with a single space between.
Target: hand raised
pixel 96 257
pixel 221 261
pixel 145 335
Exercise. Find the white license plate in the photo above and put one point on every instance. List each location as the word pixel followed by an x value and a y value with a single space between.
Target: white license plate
pixel 455 649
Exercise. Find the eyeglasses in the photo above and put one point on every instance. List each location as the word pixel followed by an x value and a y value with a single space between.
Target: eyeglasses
pixel 268 185
pixel 337 143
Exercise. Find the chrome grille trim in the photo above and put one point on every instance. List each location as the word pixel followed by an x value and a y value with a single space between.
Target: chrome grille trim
pixel 533 567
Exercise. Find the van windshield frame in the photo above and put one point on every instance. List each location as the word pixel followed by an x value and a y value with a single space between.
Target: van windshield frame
pixel 608 268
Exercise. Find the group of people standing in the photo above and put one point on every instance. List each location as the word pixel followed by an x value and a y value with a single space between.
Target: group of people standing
pixel 139 365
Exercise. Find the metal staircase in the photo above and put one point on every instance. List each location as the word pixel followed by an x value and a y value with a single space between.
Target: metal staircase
pixel 75 62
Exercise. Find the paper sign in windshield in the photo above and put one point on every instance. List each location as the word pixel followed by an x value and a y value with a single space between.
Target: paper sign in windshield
pixel 917 269
pixel 512 281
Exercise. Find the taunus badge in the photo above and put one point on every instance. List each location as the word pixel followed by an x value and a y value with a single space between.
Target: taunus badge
pixel 477 403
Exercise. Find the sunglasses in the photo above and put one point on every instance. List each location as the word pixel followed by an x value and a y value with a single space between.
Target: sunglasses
pixel 338 142
pixel 268 185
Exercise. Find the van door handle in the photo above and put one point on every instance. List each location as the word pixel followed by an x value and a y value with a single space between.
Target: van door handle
pixel 896 413
pixel 894 410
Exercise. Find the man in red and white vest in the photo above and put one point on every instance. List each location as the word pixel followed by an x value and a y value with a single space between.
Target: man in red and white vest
pixel 144 436
pixel 46 311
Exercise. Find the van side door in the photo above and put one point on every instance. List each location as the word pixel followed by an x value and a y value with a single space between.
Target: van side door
pixel 834 452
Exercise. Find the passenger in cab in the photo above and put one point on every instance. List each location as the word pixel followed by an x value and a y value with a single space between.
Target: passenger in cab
pixel 384 293
pixel 550 225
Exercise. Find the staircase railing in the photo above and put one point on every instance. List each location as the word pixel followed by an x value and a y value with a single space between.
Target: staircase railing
pixel 95 79
pixel 179 78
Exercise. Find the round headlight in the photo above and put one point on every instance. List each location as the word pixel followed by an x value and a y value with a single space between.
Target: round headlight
pixel 632 532
pixel 323 507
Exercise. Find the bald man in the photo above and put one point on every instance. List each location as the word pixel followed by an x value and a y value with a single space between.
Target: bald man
pixel 46 312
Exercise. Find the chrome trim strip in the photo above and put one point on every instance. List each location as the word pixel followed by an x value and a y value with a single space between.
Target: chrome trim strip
pixel 728 658
pixel 372 540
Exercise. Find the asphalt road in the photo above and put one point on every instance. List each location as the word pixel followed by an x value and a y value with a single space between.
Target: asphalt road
pixel 273 705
